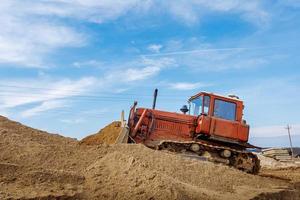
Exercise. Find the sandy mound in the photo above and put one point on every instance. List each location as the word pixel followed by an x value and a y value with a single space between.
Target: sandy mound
pixel 108 135
pixel 142 173
pixel 38 165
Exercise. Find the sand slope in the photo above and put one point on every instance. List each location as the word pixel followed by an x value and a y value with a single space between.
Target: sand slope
pixel 107 135
pixel 38 165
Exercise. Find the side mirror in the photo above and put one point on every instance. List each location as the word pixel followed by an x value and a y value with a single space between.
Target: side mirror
pixel 184 109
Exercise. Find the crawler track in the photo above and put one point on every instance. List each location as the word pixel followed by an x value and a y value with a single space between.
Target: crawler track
pixel 239 158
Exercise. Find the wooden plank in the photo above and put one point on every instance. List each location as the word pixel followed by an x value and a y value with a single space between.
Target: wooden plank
pixel 275 151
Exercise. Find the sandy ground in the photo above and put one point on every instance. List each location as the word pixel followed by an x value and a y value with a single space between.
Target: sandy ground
pixel 38 165
pixel 108 135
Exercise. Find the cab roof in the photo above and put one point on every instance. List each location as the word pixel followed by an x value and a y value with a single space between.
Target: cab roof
pixel 215 95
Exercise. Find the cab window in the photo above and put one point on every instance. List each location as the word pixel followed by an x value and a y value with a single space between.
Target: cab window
pixel 196 106
pixel 200 105
pixel 224 109
pixel 206 104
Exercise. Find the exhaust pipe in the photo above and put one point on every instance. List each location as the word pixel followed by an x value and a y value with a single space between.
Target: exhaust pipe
pixel 154 100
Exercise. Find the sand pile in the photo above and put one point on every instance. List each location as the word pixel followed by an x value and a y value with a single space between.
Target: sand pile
pixel 141 173
pixel 38 165
pixel 107 135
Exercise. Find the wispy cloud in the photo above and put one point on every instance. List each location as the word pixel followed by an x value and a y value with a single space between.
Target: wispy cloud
pixel 25 39
pixel 189 12
pixel 187 86
pixel 30 30
pixel 140 74
pixel 22 92
pixel 44 106
pixel 49 94
pixel 82 116
pixel 270 101
pixel 155 47
pixel 261 91
pixel 274 131
pixel 88 63
pixel 139 69
pixel 91 10
pixel 204 50
pixel 152 67
pixel 194 10
pixel 199 55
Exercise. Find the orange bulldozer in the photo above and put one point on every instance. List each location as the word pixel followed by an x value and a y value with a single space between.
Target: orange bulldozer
pixel 211 127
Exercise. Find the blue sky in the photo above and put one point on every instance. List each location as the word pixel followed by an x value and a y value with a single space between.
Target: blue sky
pixel 70 67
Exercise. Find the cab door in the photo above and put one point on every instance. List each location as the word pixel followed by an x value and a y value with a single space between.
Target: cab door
pixel 223 123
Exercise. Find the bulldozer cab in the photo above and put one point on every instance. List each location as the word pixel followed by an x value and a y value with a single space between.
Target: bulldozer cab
pixel 228 108
pixel 219 117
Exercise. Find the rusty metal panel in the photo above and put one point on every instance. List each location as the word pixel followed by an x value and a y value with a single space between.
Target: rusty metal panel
pixel 224 128
pixel 243 133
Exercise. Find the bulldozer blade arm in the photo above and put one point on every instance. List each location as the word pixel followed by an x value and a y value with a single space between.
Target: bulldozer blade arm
pixel 123 136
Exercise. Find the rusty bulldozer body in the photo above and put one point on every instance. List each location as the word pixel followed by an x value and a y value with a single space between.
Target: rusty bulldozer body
pixel 211 128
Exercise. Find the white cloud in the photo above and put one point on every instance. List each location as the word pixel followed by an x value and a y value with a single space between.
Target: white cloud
pixel 45 106
pixel 91 10
pixel 192 11
pixel 271 92
pixel 100 11
pixel 140 74
pixel 30 49
pixel 222 60
pixel 88 63
pixel 139 69
pixel 187 86
pixel 273 131
pixel 25 39
pixel 198 55
pixel 155 48
pixel 82 116
pixel 48 93
pixel 151 67
pixel 269 101
pixel 30 30
pixel 38 91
